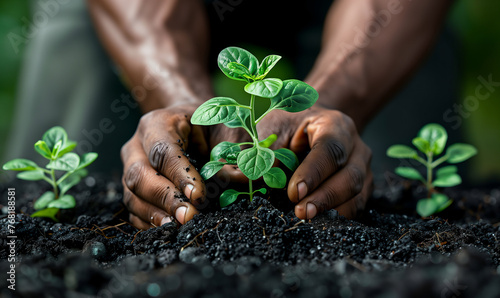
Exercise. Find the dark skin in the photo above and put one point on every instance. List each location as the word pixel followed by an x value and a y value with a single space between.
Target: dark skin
pixel 168 45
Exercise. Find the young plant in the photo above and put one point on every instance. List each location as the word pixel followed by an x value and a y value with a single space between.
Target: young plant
pixel 431 141
pixel 257 160
pixel 55 147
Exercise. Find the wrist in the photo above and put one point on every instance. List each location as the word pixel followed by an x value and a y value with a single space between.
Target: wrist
pixel 339 90
pixel 159 84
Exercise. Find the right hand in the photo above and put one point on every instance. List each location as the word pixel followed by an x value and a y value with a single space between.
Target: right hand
pixel 157 174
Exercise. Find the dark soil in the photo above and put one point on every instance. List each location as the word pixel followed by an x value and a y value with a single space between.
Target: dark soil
pixel 256 249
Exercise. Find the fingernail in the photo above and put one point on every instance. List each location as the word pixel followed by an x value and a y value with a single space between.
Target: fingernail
pixel 180 214
pixel 188 190
pixel 311 211
pixel 165 220
pixel 302 190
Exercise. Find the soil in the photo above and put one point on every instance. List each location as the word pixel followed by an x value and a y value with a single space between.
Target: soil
pixel 257 249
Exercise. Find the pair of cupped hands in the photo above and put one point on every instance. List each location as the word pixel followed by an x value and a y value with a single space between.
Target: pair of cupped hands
pixel 334 174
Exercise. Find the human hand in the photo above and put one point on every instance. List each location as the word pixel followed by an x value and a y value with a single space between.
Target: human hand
pixel 157 174
pixel 336 172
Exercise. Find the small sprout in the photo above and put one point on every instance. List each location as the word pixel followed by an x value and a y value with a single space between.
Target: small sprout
pixel 431 141
pixel 257 160
pixel 55 147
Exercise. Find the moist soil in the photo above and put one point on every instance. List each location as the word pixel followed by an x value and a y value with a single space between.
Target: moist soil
pixel 257 249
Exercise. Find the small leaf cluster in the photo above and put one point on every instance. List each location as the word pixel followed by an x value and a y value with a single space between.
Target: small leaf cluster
pixel 257 160
pixel 56 148
pixel 431 141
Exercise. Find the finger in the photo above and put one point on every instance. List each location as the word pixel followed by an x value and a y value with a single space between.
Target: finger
pixel 166 154
pixel 149 186
pixel 340 188
pixel 352 208
pixel 150 213
pixel 335 191
pixel 349 208
pixel 330 149
pixel 139 223
pixel 164 144
pixel 142 181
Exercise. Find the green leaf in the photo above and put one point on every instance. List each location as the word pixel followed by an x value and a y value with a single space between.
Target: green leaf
pixel 54 135
pixel 436 135
pixel 287 157
pixel 225 149
pixel 87 159
pixel 266 65
pixel 64 202
pixel 228 197
pixel 20 164
pixel 214 111
pixel 56 149
pixel 255 162
pixel 68 162
pixel 295 96
pixel 239 69
pixel 49 213
pixel 409 173
pixel 211 168
pixel 437 203
pixel 268 141
pixel 441 200
pixel 261 190
pixel 266 88
pixel 72 180
pixel 240 56
pixel 447 180
pixel 42 148
pixel 68 147
pixel 446 171
pixel 240 120
pixel 33 175
pixel 44 200
pixel 460 152
pixel 426 207
pixel 401 151
pixel 275 178
pixel 422 144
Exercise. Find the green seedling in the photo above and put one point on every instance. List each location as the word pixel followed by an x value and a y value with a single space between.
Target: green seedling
pixel 431 141
pixel 257 160
pixel 70 168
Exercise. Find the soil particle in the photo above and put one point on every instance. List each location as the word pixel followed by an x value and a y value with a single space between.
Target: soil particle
pixel 258 248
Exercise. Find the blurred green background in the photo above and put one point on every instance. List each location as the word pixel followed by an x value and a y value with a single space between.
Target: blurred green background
pixel 475 22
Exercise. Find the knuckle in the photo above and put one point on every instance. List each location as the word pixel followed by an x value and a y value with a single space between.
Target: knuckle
pixel 163 197
pixel 330 199
pixel 158 155
pixel 356 177
pixel 369 154
pixel 172 201
pixel 336 153
pixel 124 150
pixel 127 200
pixel 133 175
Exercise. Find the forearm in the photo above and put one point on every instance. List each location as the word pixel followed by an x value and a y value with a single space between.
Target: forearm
pixel 160 46
pixel 370 47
